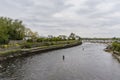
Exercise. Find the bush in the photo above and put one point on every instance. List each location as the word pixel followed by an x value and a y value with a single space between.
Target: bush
pixel 4 39
pixel 29 40
pixel 26 45
pixel 4 46
pixel 52 43
pixel 68 42
pixel 46 44
pixel 116 46
pixel 17 45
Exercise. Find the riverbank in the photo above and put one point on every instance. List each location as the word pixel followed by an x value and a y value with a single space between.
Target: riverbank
pixel 114 53
pixel 4 55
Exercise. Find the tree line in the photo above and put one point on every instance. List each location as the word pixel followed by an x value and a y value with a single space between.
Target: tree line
pixel 10 30
pixel 15 30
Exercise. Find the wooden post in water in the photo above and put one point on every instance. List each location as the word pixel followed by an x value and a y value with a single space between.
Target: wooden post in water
pixel 63 57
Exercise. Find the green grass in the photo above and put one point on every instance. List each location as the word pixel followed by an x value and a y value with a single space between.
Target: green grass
pixel 5 53
pixel 116 47
pixel 46 46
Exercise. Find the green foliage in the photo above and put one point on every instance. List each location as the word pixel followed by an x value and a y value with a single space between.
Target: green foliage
pixel 4 39
pixel 49 39
pixel 17 31
pixel 14 30
pixel 116 46
pixel 29 40
pixel 47 44
pixel 59 38
pixel 72 36
pixel 27 45
pixel 11 30
pixel 42 39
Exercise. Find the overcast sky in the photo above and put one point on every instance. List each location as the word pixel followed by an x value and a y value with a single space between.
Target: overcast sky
pixel 87 18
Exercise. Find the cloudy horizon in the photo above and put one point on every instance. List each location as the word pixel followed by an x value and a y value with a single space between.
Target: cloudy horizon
pixel 87 18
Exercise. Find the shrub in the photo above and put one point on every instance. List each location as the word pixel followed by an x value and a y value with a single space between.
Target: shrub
pixel 68 42
pixel 52 43
pixel 116 46
pixel 5 46
pixel 26 45
pixel 17 45
pixel 29 40
pixel 46 44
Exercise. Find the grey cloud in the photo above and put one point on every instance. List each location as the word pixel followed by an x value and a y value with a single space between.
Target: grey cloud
pixel 87 20
pixel 89 7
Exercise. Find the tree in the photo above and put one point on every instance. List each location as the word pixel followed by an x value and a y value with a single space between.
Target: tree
pixel 11 30
pixel 29 35
pixel 17 32
pixel 62 37
pixel 3 31
pixel 3 35
pixel 78 37
pixel 72 36
pixel 34 36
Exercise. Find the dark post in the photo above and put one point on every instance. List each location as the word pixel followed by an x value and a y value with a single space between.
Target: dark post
pixel 83 49
pixel 63 57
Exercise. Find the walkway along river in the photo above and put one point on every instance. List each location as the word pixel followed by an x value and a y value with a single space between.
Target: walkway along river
pixel 92 63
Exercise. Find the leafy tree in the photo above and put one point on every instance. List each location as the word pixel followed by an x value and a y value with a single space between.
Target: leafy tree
pixel 11 30
pixel 78 37
pixel 17 32
pixel 72 36
pixel 3 35
pixel 116 46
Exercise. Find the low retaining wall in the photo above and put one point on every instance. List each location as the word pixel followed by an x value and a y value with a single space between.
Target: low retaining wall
pixel 114 54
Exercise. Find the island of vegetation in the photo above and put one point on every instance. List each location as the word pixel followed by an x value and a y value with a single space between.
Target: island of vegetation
pixel 17 40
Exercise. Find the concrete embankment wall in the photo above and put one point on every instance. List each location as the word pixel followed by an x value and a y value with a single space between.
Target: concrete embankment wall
pixel 36 50
pixel 117 57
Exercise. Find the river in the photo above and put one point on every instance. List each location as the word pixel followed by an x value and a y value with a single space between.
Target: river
pixel 90 63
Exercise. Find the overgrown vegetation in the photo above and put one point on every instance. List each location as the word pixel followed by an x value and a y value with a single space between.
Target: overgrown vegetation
pixel 11 30
pixel 14 30
pixel 16 39
pixel 116 46
pixel 13 34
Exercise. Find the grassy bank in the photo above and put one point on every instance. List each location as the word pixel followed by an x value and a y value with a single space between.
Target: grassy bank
pixel 46 47
pixel 114 48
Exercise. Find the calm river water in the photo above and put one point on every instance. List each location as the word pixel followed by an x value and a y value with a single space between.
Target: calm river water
pixel 90 63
